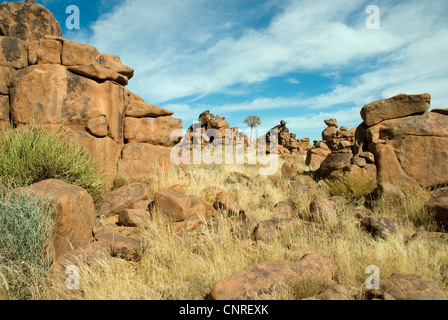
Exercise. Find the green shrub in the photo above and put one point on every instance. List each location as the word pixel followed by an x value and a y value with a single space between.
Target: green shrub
pixel 30 155
pixel 26 224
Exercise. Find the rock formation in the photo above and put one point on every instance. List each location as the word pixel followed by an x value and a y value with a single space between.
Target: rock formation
pixel 408 142
pixel 83 90
pixel 288 142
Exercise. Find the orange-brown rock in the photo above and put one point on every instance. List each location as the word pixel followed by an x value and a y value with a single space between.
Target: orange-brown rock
pixel 59 95
pixel 75 215
pixel 156 131
pixel 6 74
pixel 122 198
pixel 269 230
pixel 400 286
pixel 141 109
pixel 77 54
pixel 141 162
pixel 4 108
pixel 335 292
pixel 49 52
pixel 439 207
pixel 27 20
pixel 134 218
pixel 95 71
pixel 178 206
pixel 13 53
pixel 412 149
pixel 104 151
pixel 399 106
pixel 97 127
pixel 265 278
pixel 124 242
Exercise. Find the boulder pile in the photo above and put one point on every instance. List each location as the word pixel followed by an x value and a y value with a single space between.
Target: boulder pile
pixel 287 142
pixel 77 87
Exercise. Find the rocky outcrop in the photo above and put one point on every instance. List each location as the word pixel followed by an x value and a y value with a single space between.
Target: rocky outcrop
pixel 79 88
pixel 410 148
pixel 287 142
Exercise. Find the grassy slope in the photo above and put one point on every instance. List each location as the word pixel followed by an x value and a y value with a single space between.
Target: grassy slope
pixel 187 266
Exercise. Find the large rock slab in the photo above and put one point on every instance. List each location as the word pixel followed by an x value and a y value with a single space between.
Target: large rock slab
pixel 266 277
pixel 74 214
pixel 156 131
pixel 141 162
pixel 399 106
pixel 411 150
pixel 60 96
pixel 27 20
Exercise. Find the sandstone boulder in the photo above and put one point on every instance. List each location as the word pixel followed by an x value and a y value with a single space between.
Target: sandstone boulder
pixel 134 218
pixel 27 20
pixel 378 227
pixel 399 106
pixel 271 229
pixel 407 287
pixel 122 198
pixel 263 279
pixel 74 214
pixel 125 242
pixel 178 206
pixel 141 109
pixel 411 150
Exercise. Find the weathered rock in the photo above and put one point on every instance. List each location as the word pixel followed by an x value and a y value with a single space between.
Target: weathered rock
pixel 113 63
pixel 74 214
pixel 263 279
pixel 331 123
pixel 141 162
pixel 4 108
pixel 49 52
pixel 123 198
pixel 224 201
pixel 289 170
pixel 323 209
pixel 6 74
pixel 154 131
pixel 401 286
pixel 441 111
pixel 388 191
pixel 97 127
pixel 178 206
pixel 125 242
pixel 399 106
pixel 314 161
pixel 361 212
pixel 134 218
pixel 360 162
pixel 378 227
pixel 282 210
pixel 335 292
pixel 439 207
pixel 98 72
pixel 329 133
pixel 104 151
pixel 334 162
pixel 60 96
pixel 411 150
pixel 27 20
pixel 78 54
pixel 13 53
pixel 368 156
pixel 270 229
pixel 140 109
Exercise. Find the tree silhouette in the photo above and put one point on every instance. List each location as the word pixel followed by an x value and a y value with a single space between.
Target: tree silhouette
pixel 252 122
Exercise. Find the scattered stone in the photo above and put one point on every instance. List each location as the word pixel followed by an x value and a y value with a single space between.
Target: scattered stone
pixel 125 242
pixel 335 292
pixel 223 201
pixel 264 279
pixel 401 286
pixel 439 207
pixel 123 198
pixel 388 191
pixel 271 229
pixel 323 209
pixel 134 218
pixel 378 227
pixel 282 210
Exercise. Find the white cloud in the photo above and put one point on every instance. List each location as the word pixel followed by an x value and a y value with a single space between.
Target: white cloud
pixel 198 47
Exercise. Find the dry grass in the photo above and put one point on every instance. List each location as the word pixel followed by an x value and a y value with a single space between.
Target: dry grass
pixel 186 266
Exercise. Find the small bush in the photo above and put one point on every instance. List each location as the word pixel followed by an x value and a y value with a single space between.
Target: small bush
pixel 352 186
pixel 26 224
pixel 30 155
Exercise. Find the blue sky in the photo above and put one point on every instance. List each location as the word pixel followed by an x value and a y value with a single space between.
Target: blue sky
pixel 300 61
